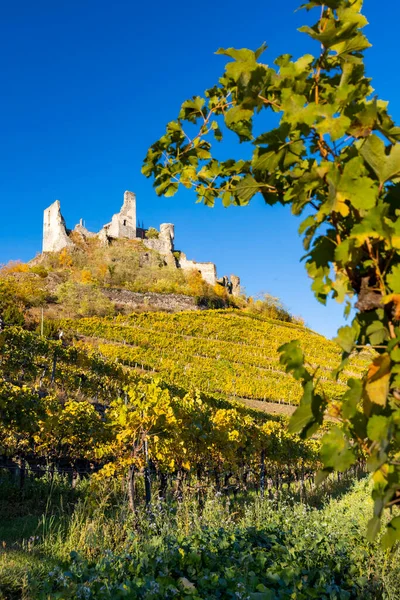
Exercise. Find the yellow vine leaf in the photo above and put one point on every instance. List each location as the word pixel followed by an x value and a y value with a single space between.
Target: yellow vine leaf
pixel 376 386
pixel 395 298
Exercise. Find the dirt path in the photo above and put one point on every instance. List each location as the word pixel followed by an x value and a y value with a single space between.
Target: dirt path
pixel 273 408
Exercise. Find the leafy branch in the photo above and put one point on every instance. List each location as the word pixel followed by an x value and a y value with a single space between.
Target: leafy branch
pixel 335 151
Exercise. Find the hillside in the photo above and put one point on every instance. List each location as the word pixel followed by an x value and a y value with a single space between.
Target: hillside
pixel 101 297
pixel 229 353
pixel 92 279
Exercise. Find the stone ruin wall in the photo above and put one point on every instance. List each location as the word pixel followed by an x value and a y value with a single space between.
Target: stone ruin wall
pixel 208 270
pixel 55 235
pixel 123 225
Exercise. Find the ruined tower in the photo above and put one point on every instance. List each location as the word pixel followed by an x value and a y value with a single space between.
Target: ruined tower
pixel 55 236
pixel 123 224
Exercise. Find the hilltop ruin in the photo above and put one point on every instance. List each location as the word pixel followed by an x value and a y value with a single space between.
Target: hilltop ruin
pixel 123 225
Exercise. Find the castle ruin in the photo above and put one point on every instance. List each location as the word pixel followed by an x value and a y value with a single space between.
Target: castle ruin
pixel 123 225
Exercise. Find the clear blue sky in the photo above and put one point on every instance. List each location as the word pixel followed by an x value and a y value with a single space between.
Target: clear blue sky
pixel 88 86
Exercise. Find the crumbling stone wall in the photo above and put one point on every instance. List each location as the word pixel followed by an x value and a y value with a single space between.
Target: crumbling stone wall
pixel 235 283
pixel 207 269
pixel 164 244
pixel 55 236
pixel 123 225
pixel 150 300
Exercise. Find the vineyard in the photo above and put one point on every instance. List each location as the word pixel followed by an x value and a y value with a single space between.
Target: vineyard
pixel 134 431
pixel 220 450
pixel 228 353
pixel 70 406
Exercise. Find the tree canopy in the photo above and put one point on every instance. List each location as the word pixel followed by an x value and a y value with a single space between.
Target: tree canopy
pixel 334 157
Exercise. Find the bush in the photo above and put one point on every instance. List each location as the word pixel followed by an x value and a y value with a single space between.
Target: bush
pixel 152 234
pixel 80 300
pixel 12 315
pixel 50 329
pixel 257 550
pixel 269 306
pixel 39 270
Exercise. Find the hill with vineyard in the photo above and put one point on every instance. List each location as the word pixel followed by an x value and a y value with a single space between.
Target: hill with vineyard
pixel 227 353
pixel 134 410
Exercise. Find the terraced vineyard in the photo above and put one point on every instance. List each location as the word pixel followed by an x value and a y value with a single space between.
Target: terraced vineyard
pixel 228 353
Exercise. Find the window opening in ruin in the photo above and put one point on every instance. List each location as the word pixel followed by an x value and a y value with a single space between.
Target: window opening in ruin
pixel 124 221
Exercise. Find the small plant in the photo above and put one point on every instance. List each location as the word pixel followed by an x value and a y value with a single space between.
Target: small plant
pixel 39 270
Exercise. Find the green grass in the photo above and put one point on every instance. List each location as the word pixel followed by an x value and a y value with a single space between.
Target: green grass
pixel 248 547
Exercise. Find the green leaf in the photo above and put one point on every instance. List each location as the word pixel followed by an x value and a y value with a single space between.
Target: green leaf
pixel 336 127
pixel 303 415
pixel 246 189
pixel 353 185
pixel 385 162
pixel 392 533
pixel 321 475
pixel 393 279
pixel 377 333
pixel 292 357
pixel 243 54
pixel 226 199
pixel 309 415
pixel 395 354
pixel 347 337
pixel 378 428
pixel 239 120
pixel 336 451
pixel 373 225
pixel 171 190
pixel 266 160
pixel 352 398
pixel 245 64
pixel 374 526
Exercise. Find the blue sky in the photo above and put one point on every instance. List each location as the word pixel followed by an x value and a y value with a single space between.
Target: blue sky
pixel 88 86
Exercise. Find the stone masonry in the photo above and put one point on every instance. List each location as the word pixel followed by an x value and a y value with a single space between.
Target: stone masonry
pixel 55 234
pixel 123 226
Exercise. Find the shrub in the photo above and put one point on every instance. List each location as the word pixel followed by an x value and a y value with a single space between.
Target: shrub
pixel 50 329
pixel 271 307
pixel 80 300
pixel 152 234
pixel 12 315
pixel 39 270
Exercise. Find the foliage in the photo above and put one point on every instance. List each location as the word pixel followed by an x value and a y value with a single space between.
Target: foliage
pixel 16 295
pixel 152 233
pixel 334 157
pixel 65 403
pixel 12 315
pixel 50 329
pixel 72 283
pixel 270 307
pixel 226 548
pixel 83 299
pixel 233 353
